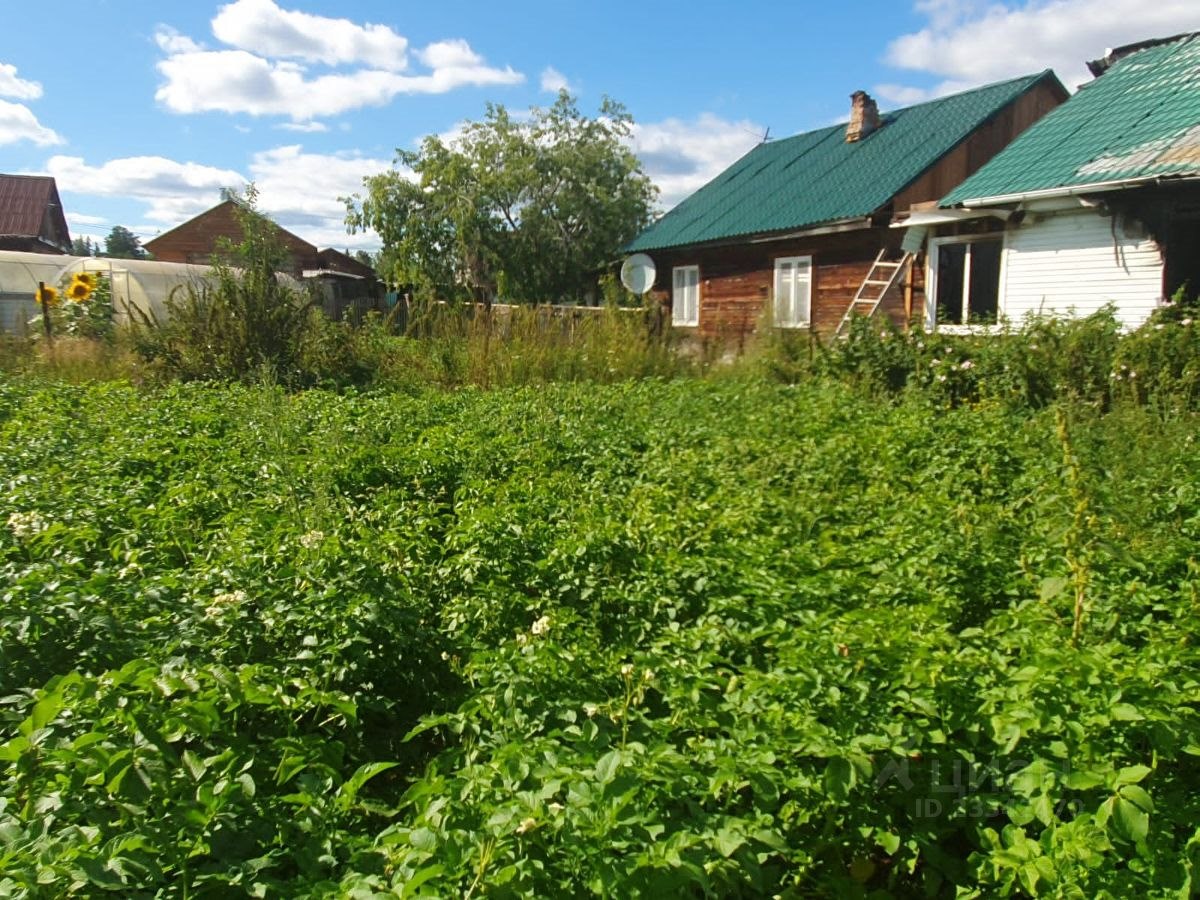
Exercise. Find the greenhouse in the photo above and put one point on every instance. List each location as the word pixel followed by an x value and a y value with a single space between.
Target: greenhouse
pixel 138 284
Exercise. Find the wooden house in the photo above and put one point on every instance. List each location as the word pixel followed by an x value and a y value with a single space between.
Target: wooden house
pixel 796 232
pixel 1096 204
pixel 198 240
pixel 31 215
pixel 340 282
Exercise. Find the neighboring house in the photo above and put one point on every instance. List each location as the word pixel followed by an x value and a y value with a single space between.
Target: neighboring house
pixel 1097 203
pixel 31 215
pixel 343 281
pixel 795 227
pixel 198 240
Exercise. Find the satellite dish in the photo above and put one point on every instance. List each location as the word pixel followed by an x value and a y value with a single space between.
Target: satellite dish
pixel 638 273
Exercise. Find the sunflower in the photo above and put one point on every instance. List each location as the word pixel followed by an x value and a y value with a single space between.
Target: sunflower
pixel 86 278
pixel 79 290
pixel 47 295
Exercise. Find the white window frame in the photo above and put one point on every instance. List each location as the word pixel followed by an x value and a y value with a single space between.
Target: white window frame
pixel 931 284
pixel 685 309
pixel 793 265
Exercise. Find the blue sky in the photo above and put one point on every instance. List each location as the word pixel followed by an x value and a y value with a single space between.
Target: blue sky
pixel 144 110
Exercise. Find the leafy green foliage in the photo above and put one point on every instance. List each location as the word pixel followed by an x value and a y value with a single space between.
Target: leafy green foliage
pixel 657 638
pixel 248 322
pixel 121 243
pixel 527 210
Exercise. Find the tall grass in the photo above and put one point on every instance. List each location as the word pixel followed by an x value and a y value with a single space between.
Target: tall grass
pixel 75 360
pixel 530 345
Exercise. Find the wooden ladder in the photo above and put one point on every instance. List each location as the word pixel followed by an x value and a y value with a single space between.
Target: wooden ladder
pixel 881 278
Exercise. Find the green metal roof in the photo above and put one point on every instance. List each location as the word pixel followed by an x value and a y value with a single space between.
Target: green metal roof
pixel 1140 119
pixel 817 177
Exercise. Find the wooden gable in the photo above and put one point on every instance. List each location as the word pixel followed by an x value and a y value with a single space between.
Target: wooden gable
pixel 198 240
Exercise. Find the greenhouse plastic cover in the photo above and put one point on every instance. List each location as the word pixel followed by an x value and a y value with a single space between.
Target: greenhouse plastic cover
pixel 136 283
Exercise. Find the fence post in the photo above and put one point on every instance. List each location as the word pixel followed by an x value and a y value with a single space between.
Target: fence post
pixel 41 295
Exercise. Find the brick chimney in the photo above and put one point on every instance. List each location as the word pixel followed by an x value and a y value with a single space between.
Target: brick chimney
pixel 864 117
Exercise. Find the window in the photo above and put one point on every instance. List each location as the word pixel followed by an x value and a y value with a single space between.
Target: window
pixel 793 291
pixel 685 298
pixel 965 275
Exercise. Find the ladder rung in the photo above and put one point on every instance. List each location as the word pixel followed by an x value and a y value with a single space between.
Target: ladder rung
pixel 866 302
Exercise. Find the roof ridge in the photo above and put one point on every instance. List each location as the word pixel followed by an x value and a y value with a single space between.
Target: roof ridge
pixel 1032 79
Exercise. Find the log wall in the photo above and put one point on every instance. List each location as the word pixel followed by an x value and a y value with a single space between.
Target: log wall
pixel 737 281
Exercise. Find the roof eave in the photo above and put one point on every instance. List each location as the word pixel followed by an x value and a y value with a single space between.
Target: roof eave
pixel 1072 190
pixel 837 226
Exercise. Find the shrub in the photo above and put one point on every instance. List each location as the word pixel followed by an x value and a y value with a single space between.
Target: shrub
pixel 1160 362
pixel 249 322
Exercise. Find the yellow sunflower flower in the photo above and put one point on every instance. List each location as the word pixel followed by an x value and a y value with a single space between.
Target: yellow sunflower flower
pixel 79 290
pixel 86 278
pixel 47 295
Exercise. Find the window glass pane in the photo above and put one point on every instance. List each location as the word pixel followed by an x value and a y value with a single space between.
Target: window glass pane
pixel 951 266
pixel 685 298
pixel 792 290
pixel 983 297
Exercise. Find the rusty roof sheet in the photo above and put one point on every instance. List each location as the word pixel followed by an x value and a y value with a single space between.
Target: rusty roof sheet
pixel 1140 120
pixel 23 202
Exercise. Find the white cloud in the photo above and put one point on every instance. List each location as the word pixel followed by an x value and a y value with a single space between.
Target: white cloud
pixel 449 54
pixel 682 156
pixel 969 42
pixel 554 81
pixel 267 71
pixel 18 123
pixel 262 27
pixel 11 85
pixel 174 191
pixel 900 94
pixel 75 219
pixel 171 41
pixel 304 127
pixel 300 191
pixel 237 81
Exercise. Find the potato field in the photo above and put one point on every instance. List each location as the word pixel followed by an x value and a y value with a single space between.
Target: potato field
pixel 660 638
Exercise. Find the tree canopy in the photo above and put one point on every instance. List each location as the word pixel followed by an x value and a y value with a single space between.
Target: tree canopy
pixel 517 208
pixel 122 243
pixel 83 246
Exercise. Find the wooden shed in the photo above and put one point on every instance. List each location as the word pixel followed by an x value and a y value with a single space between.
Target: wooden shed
pixel 796 232
pixel 31 215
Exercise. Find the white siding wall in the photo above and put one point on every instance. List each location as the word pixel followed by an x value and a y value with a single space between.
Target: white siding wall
pixel 1066 263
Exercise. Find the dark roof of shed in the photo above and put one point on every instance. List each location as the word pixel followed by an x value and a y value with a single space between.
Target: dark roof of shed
pixel 340 261
pixel 1139 120
pixel 23 203
pixel 817 178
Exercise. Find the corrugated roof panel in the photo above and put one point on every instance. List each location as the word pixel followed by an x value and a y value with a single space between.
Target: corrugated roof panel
pixel 23 200
pixel 817 177
pixel 1140 119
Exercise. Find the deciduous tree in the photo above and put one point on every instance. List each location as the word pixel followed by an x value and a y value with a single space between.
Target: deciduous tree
pixel 519 208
